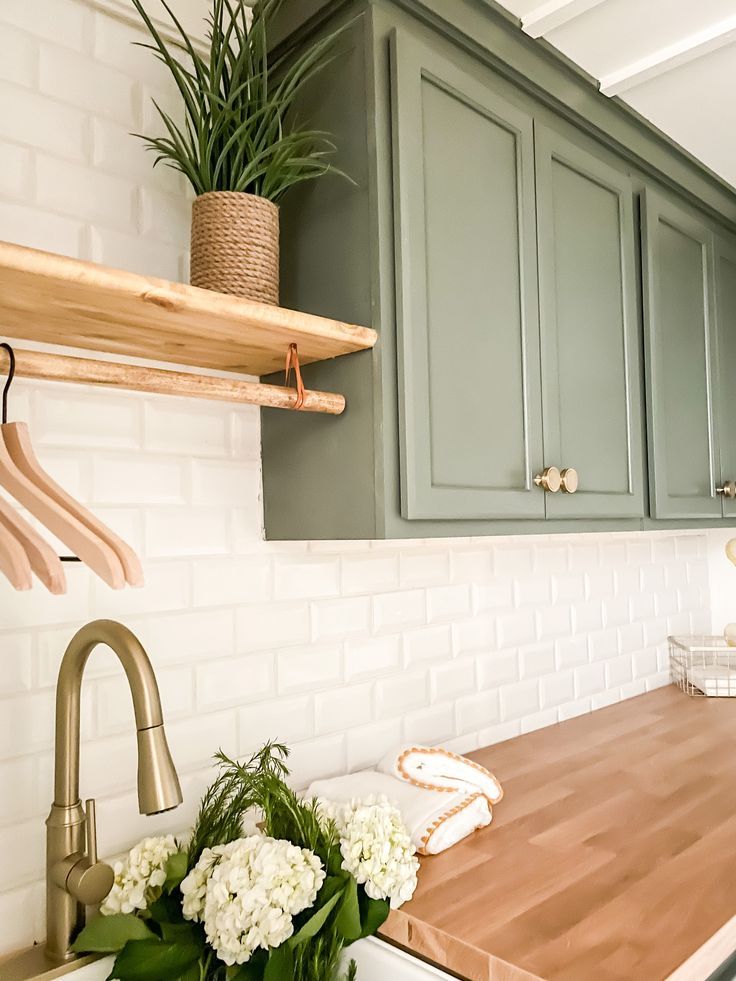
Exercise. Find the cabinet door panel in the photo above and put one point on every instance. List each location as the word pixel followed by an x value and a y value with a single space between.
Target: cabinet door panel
pixel 725 274
pixel 589 326
pixel 468 341
pixel 679 332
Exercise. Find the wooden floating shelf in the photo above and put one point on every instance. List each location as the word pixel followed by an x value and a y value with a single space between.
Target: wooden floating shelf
pixel 57 300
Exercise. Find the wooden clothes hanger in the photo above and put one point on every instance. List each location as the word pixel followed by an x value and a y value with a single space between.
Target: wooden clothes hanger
pixel 89 539
pixel 14 562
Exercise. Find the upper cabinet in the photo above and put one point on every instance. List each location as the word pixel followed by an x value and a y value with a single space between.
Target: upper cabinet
pixel 725 270
pixel 531 287
pixel 681 351
pixel 590 330
pixel 518 335
pixel 466 277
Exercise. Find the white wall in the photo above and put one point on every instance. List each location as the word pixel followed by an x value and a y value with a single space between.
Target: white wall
pixel 339 649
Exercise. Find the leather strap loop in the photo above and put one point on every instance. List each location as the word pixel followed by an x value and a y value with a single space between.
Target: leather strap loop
pixel 292 361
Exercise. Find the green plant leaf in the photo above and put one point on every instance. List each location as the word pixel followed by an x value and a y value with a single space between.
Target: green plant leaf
pixel 373 914
pixel 315 923
pixel 252 970
pixel 109 934
pixel 166 909
pixel 233 134
pixel 280 964
pixel 176 870
pixel 155 960
pixel 179 932
pixel 348 916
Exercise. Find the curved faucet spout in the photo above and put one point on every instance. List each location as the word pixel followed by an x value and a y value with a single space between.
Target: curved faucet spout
pixel 74 877
pixel 158 784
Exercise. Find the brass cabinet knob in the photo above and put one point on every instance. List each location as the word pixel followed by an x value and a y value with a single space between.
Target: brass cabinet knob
pixel 728 489
pixel 570 480
pixel 550 480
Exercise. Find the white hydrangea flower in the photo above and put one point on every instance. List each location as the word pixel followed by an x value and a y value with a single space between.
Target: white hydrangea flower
pixel 139 878
pixel 246 893
pixel 376 847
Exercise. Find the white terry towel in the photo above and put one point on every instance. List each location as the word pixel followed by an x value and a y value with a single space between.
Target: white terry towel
pixel 436 819
pixel 434 768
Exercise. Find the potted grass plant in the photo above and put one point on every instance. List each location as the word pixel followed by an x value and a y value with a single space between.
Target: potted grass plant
pixel 237 144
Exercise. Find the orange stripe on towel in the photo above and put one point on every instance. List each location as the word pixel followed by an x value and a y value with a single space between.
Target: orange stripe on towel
pixel 447 816
pixel 453 756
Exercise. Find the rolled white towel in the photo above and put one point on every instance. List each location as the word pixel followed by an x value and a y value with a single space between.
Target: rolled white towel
pixel 434 768
pixel 436 820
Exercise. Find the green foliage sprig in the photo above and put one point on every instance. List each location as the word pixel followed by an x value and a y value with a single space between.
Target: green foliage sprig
pixel 238 132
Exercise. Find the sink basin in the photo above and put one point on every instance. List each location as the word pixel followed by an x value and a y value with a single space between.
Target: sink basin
pixel 376 961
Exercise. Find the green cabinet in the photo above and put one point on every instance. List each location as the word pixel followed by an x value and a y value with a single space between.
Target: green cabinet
pixel 518 334
pixel 590 330
pixel 725 274
pixel 680 332
pixel 466 277
pixel 490 235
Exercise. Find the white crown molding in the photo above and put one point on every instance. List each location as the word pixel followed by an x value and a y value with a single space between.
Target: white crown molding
pixel 554 13
pixel 124 10
pixel 687 49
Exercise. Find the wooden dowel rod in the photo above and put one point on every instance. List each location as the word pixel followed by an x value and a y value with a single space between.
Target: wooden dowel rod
pixel 60 367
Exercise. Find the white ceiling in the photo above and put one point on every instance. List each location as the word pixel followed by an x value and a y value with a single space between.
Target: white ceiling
pixel 674 61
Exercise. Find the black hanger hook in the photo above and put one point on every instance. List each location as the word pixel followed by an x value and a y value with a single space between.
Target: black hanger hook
pixel 9 381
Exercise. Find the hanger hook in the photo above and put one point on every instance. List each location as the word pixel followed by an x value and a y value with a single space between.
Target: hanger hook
pixel 9 381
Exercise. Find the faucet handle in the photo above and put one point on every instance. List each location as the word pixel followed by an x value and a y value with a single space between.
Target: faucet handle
pixel 90 830
pixel 88 880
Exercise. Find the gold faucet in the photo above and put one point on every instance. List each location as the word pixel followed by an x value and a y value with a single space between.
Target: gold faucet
pixel 74 877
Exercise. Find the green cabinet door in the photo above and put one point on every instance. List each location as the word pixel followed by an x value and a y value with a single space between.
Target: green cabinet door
pixel 679 326
pixel 467 310
pixel 725 275
pixel 591 388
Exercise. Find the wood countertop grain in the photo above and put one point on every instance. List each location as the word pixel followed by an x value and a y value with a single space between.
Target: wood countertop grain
pixel 612 856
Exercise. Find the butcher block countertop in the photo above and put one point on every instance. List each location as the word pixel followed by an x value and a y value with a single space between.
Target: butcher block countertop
pixel 612 856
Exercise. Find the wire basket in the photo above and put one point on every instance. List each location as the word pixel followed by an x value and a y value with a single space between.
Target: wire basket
pixel 703 666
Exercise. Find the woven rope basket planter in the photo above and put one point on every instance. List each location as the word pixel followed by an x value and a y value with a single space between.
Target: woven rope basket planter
pixel 235 245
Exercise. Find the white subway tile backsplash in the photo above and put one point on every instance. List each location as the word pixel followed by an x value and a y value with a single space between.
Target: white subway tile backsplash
pixel 340 617
pixel 65 22
pixel 234 681
pixel 17 667
pixel 310 668
pixel 519 700
pixel 371 572
pixel 367 745
pixel 427 644
pixel 79 191
pixel 87 84
pixel 341 708
pixel 15 169
pixel 288 720
pixel 367 657
pixel 395 610
pixel 33 227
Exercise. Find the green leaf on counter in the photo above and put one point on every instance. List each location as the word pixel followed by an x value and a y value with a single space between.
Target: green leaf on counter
pixel 252 970
pixel 315 923
pixel 373 914
pixel 109 934
pixel 155 960
pixel 280 964
pixel 348 916
pixel 176 870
